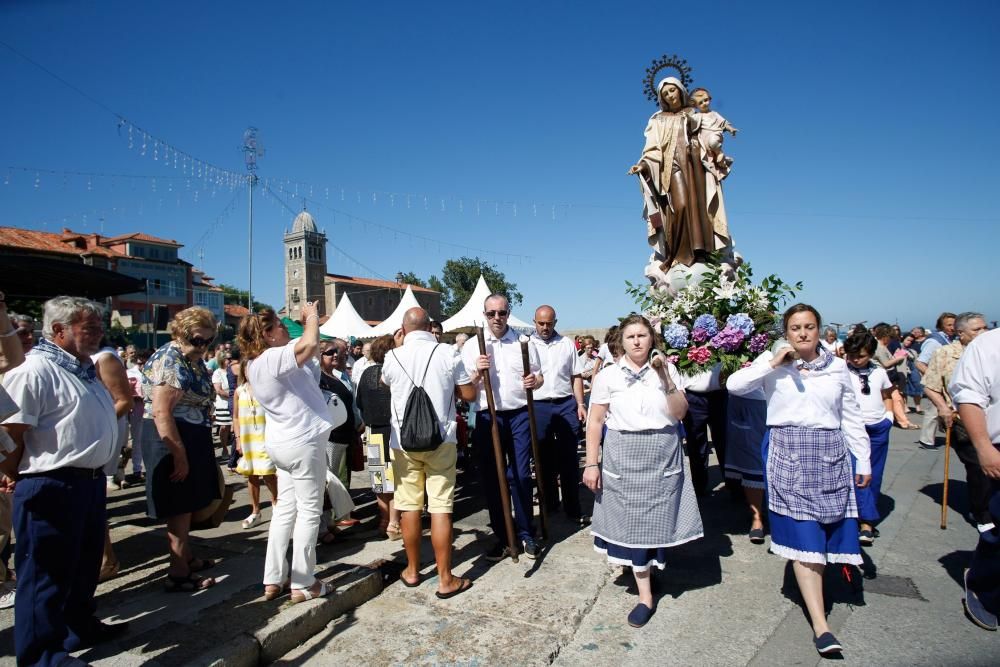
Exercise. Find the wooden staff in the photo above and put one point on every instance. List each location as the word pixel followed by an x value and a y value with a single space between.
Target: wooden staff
pixel 944 491
pixel 526 365
pixel 508 518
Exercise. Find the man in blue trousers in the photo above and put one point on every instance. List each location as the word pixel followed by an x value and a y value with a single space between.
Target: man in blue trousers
pixel 65 431
pixel 559 411
pixel 975 389
pixel 507 379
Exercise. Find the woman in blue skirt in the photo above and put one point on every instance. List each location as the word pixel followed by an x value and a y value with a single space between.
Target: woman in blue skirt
pixel 644 502
pixel 814 420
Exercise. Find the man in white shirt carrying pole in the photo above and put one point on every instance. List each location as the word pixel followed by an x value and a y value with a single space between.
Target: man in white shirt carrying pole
pixel 65 431
pixel 559 411
pixel 504 364
pixel 431 474
pixel 975 389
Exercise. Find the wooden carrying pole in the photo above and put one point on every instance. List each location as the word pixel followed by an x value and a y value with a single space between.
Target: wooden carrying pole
pixel 944 489
pixel 508 518
pixel 526 365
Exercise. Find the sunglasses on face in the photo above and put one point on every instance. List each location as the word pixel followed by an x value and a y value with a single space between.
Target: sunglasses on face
pixel 331 353
pixel 866 388
pixel 198 341
pixel 496 313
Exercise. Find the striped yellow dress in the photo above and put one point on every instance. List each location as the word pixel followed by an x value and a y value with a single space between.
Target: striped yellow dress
pixel 251 433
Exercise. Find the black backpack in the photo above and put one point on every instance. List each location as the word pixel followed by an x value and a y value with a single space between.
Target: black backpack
pixel 420 429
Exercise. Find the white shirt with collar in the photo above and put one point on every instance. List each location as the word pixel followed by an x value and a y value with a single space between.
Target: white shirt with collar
pixel 559 363
pixel 705 381
pixel 639 405
pixel 976 379
pixel 405 366
pixel 822 399
pixel 506 371
pixel 72 421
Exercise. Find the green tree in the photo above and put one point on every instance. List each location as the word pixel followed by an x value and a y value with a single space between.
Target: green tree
pixel 233 296
pixel 459 278
pixel 410 278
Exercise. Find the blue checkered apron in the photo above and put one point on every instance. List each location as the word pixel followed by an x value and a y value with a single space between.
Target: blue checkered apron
pixel 646 500
pixel 809 474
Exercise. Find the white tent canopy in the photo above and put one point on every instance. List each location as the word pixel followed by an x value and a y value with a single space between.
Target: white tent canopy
pixel 345 322
pixel 395 320
pixel 471 314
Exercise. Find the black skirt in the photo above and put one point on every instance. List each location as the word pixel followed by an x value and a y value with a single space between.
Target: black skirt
pixel 165 498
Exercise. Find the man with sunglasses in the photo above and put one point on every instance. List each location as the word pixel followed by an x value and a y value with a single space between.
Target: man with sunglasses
pixel 509 383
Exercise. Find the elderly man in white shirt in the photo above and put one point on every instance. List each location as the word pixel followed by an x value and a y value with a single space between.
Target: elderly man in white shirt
pixel 507 378
pixel 975 389
pixel 426 475
pixel 559 411
pixel 65 431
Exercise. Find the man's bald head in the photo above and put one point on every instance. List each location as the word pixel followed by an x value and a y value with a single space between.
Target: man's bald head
pixel 545 322
pixel 416 319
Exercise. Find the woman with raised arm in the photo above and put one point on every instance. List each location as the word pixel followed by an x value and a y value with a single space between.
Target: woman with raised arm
pixel 284 375
pixel 644 502
pixel 814 419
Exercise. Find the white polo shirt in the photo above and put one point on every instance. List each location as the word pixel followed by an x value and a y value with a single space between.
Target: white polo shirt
pixel 976 379
pixel 73 423
pixel 639 405
pixel 506 370
pixel 445 372
pixel 559 363
pixel 289 395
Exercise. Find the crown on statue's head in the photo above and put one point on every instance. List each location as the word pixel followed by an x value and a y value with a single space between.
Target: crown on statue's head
pixel 673 62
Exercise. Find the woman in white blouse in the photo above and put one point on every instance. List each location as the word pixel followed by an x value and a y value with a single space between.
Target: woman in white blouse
pixel 644 502
pixel 814 418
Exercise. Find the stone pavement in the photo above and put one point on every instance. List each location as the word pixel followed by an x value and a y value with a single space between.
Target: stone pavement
pixel 721 600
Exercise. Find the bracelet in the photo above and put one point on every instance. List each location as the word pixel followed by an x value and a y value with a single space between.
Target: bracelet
pixel 592 465
pixel 10 333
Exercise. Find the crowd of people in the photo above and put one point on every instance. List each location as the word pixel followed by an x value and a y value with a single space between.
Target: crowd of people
pixel 804 428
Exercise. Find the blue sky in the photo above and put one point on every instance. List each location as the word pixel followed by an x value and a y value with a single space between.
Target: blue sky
pixel 863 167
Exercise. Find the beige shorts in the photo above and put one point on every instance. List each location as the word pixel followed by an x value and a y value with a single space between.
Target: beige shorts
pixel 434 470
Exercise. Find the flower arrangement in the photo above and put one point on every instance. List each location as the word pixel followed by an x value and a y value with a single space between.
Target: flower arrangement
pixel 723 318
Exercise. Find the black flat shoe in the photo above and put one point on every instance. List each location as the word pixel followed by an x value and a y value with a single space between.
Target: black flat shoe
pixel 826 644
pixel 756 535
pixel 639 616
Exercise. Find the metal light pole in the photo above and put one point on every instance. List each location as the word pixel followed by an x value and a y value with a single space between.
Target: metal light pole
pixel 252 149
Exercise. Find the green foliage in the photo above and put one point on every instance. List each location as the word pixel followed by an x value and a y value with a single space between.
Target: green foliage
pixel 234 296
pixel 459 278
pixel 410 278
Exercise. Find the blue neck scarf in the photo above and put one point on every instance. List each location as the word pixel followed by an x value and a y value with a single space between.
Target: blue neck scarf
pixel 631 377
pixel 82 369
pixel 824 359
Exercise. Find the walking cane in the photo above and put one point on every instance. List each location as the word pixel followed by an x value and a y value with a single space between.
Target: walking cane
pixel 508 519
pixel 944 493
pixel 526 365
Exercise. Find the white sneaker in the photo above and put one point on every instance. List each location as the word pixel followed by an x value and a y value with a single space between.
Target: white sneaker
pixel 7 591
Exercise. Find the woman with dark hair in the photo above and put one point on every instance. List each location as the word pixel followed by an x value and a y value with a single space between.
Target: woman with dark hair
pixel 644 502
pixel 177 449
pixel 814 420
pixel 374 402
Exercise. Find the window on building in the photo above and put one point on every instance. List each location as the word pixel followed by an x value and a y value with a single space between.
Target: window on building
pixel 156 284
pixel 295 295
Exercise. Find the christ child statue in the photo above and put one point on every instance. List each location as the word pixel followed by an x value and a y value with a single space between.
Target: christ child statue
pixel 711 127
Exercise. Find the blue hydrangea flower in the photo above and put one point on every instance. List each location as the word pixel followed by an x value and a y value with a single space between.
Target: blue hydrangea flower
pixel 676 336
pixel 708 323
pixel 742 322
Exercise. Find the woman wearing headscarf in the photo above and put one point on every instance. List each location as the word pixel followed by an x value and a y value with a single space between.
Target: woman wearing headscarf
pixel 177 449
pixel 644 501
pixel 284 375
pixel 814 420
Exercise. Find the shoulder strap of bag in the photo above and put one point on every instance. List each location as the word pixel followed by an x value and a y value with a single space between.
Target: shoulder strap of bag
pixel 428 364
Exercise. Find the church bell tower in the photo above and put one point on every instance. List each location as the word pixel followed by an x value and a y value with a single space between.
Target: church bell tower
pixel 305 265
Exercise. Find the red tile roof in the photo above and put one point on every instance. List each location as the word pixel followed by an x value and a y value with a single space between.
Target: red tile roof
pixel 374 282
pixel 139 236
pixel 31 239
pixel 232 310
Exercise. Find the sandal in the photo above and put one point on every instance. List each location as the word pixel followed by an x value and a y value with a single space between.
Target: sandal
pixel 191 583
pixel 303 594
pixel 465 585
pixel 393 532
pixel 327 538
pixel 272 591
pixel 251 521
pixel 205 564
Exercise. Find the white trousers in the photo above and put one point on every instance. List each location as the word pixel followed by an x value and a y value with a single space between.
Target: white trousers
pixel 296 515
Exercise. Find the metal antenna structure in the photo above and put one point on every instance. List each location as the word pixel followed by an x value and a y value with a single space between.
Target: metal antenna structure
pixel 252 149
